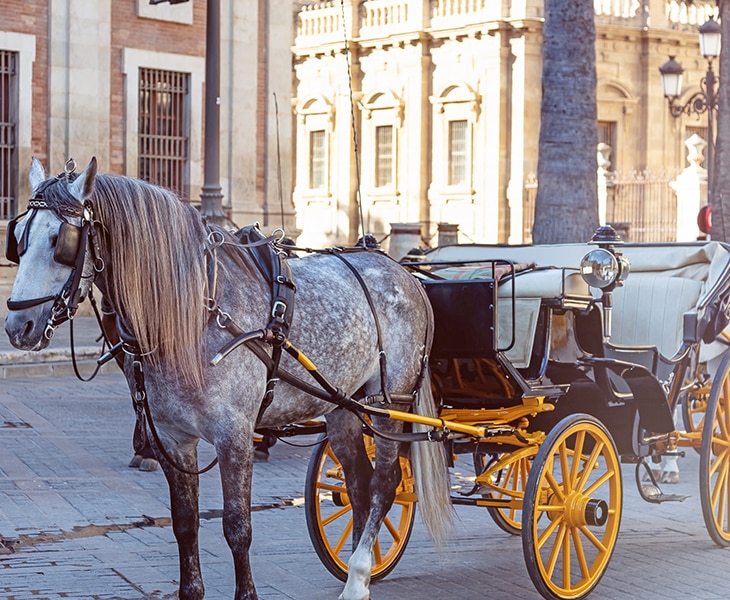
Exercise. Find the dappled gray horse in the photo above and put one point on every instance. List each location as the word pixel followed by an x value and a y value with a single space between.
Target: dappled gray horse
pixel 182 291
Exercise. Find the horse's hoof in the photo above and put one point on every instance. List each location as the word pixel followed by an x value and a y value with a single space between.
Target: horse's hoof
pixel 670 477
pixel 259 456
pixel 135 462
pixel 148 464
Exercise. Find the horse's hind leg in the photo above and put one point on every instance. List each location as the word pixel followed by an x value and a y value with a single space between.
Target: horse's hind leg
pixel 371 493
pixel 185 519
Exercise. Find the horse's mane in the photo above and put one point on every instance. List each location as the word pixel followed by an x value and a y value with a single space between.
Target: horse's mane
pixel 155 275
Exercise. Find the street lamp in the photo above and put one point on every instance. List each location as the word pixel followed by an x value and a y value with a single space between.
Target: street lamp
pixel 700 102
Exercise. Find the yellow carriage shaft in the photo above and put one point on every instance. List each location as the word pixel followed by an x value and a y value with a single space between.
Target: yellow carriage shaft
pixel 459 421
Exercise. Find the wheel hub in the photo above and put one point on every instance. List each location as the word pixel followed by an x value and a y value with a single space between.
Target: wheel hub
pixel 580 510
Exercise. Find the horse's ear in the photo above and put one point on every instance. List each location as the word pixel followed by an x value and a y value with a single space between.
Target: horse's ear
pixel 83 185
pixel 37 173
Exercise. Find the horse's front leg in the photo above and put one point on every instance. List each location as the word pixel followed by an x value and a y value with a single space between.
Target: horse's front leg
pixel 235 459
pixel 185 516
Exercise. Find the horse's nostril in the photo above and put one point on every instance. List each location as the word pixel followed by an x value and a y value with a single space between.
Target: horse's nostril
pixel 27 328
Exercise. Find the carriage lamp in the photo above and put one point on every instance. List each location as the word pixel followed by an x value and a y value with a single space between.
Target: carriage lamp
pixel 605 268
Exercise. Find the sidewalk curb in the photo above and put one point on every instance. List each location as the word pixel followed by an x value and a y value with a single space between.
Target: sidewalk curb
pixel 21 364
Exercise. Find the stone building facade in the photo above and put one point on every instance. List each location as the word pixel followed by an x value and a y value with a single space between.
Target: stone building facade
pixel 441 100
pixel 124 81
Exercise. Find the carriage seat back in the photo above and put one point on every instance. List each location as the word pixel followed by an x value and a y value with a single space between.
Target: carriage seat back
pixel 649 308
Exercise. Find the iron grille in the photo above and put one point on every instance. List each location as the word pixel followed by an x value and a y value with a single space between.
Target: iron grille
pixel 8 134
pixel 458 173
pixel 384 156
pixel 164 129
pixel 316 159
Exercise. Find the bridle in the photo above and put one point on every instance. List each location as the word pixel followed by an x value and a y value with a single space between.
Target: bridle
pixel 70 251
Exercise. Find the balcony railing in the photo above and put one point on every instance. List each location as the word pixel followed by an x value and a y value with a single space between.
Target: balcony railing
pixel 319 24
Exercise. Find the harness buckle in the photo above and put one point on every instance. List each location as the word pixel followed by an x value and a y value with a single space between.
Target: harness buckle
pixel 278 309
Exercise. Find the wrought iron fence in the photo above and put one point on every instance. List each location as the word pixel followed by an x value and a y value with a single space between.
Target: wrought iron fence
pixel 640 203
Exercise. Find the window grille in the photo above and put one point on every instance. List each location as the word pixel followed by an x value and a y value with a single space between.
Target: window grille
pixel 164 129
pixel 383 155
pixel 8 134
pixel 316 159
pixel 458 155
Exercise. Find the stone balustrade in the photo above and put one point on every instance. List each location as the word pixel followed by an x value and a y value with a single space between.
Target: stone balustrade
pixel 321 23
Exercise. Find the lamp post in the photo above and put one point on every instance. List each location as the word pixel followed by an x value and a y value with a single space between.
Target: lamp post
pixel 704 101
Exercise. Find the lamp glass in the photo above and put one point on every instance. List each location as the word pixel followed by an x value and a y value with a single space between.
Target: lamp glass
pixel 710 39
pixel 599 268
pixel 710 45
pixel 671 84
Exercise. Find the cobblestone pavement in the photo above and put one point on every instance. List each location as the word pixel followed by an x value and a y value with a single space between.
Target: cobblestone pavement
pixel 76 522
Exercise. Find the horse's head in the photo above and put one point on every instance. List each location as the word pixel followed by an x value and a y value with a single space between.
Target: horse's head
pixel 49 244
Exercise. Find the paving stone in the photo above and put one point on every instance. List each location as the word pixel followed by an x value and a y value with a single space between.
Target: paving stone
pixel 73 525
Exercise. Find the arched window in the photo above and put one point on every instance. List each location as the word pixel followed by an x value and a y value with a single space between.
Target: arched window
pixel 314 132
pixel 382 112
pixel 455 112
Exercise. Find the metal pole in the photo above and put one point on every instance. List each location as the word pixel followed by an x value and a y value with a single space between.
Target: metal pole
pixel 710 82
pixel 211 197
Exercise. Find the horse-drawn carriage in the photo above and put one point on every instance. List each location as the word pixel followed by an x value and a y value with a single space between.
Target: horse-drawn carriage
pixel 571 368
pixel 548 365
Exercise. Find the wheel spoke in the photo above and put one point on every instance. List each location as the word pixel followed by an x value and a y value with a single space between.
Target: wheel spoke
pixel 564 466
pixel 344 536
pixel 545 535
pixel 721 461
pixel 555 486
pixel 580 553
pixel 337 515
pixel 331 487
pixel 725 525
pixel 377 553
pixel 555 552
pixel 577 457
pixel 566 560
pixel 392 529
pixel 593 539
pixel 607 476
pixel 590 464
pixel 718 497
pixel 718 462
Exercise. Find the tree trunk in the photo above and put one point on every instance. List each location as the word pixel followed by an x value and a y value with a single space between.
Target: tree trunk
pixel 720 186
pixel 566 206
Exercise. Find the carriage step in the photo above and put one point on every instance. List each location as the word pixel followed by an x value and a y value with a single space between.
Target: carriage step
pixel 651 492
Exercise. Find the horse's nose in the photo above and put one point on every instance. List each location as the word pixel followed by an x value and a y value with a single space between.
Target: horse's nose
pixel 19 329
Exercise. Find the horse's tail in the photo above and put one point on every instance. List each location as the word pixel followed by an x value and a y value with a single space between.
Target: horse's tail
pixel 428 460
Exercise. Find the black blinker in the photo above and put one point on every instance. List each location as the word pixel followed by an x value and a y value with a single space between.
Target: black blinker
pixel 11 244
pixel 68 244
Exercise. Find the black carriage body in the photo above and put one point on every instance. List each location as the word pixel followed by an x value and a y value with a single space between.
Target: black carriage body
pixel 571 360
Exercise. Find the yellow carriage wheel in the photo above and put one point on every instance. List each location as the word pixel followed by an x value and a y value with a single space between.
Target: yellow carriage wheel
pixel 507 484
pixel 329 514
pixel 715 458
pixel 572 508
pixel 693 411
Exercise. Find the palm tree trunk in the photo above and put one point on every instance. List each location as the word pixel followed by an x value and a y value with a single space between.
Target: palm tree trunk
pixel 566 206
